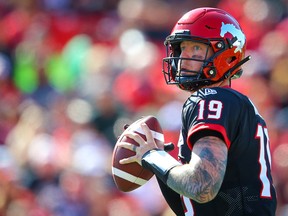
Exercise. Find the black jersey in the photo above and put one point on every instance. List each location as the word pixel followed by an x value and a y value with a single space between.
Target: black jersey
pixel 247 188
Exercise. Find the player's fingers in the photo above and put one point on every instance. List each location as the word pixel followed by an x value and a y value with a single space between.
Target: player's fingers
pixel 136 137
pixel 150 138
pixel 127 145
pixel 127 160
pixel 147 132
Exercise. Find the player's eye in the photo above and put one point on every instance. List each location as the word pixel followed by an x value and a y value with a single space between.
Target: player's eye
pixel 197 47
pixel 182 48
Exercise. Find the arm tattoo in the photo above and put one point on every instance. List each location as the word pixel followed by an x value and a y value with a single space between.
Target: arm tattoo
pixel 201 179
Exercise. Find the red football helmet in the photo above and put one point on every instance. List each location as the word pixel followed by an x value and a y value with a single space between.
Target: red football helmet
pixel 220 31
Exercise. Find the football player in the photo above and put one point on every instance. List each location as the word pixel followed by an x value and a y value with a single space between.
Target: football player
pixel 224 165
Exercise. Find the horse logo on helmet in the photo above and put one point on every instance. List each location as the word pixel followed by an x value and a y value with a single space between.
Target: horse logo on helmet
pixel 230 28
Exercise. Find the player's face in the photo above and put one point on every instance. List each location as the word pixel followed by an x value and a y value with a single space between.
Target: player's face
pixel 195 50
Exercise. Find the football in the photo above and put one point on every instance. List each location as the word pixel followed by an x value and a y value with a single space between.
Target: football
pixel 128 177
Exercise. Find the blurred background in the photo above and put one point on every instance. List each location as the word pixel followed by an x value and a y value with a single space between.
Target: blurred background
pixel 73 72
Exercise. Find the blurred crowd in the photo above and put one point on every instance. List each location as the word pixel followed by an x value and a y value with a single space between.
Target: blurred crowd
pixel 73 72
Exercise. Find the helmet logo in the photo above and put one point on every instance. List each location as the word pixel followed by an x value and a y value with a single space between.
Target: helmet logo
pixel 230 28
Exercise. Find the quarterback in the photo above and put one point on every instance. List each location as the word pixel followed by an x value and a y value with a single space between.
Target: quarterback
pixel 224 166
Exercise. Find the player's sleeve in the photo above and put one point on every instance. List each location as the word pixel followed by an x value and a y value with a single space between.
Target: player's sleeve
pixel 216 115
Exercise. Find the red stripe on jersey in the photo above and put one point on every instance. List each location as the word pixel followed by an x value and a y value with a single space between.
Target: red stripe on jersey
pixel 215 127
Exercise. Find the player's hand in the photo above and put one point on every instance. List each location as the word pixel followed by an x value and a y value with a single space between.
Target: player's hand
pixel 167 146
pixel 143 147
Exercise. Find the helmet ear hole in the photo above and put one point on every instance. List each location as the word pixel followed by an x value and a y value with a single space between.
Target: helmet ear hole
pixel 231 59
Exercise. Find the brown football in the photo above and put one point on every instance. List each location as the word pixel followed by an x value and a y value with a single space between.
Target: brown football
pixel 128 177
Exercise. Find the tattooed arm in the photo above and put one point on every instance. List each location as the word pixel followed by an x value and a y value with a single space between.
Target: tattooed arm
pixel 201 179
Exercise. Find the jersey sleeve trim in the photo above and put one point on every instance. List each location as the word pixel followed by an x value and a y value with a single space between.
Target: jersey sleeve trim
pixel 216 127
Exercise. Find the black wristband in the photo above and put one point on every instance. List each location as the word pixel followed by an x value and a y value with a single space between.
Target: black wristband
pixel 159 162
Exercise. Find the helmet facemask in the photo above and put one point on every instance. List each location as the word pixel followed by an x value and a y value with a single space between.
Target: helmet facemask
pixel 185 79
